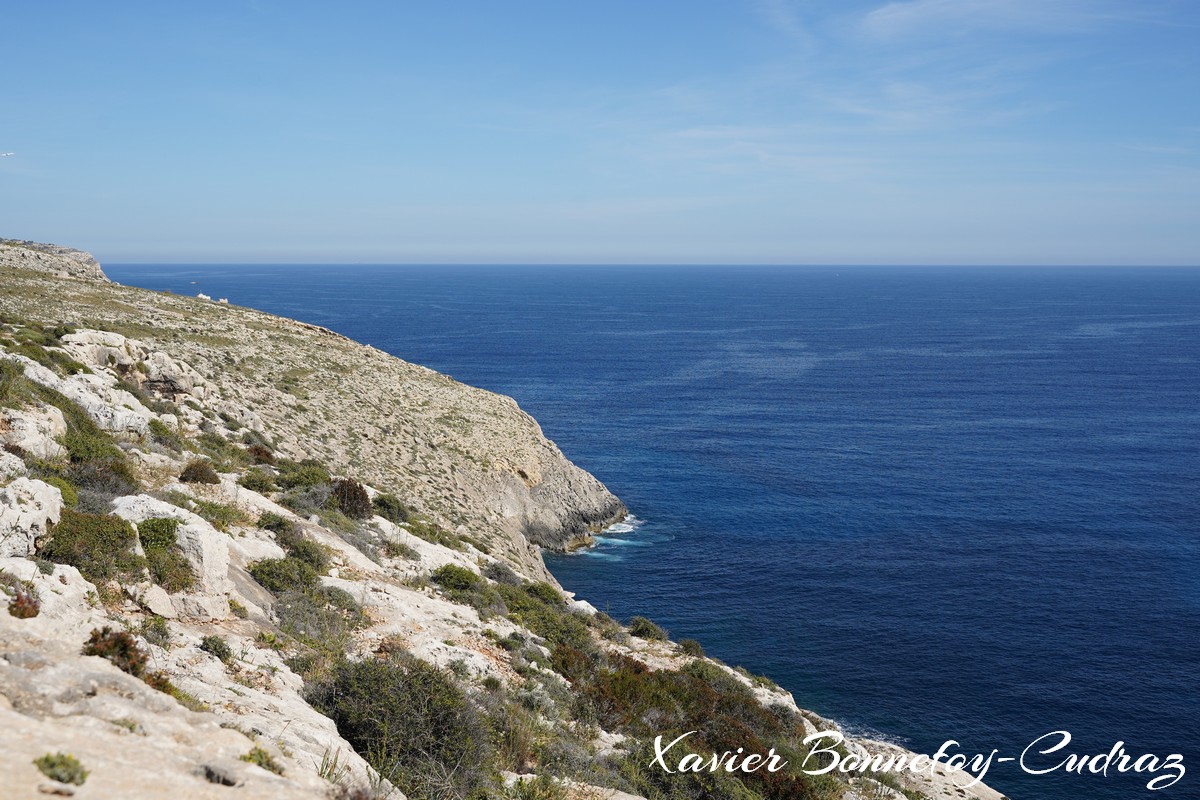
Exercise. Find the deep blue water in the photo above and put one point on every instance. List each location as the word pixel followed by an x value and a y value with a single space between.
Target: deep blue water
pixel 934 503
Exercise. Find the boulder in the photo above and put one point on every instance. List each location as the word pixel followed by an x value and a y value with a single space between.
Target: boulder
pixel 10 466
pixel 206 548
pixel 34 430
pixel 27 510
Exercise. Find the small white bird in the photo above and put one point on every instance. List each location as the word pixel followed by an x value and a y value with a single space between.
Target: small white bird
pixel 2 155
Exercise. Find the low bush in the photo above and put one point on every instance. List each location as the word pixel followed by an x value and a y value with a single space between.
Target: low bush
pixel 24 603
pixel 645 629
pixel 553 621
pixel 257 480
pixel 435 534
pixel 62 767
pixel 322 618
pixel 168 566
pixel 455 579
pixel 161 434
pixel 351 498
pixel 276 524
pixel 119 647
pixel 261 758
pixel 100 546
pixel 390 507
pixel 260 454
pixel 199 470
pixel 302 475
pixel 307 500
pixel 411 723
pixel 311 553
pixel 217 647
pixel 396 549
pixel 226 455
pixel 278 575
pixel 691 647
pixel 70 494
pixel 220 515
pixel 155 630
pixel 502 573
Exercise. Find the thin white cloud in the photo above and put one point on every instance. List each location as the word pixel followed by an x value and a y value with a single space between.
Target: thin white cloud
pixel 939 17
pixel 784 18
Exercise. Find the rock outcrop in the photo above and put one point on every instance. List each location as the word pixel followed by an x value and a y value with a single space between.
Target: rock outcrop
pixel 52 258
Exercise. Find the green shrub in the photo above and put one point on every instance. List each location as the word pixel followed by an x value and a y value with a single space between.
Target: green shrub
pixel 217 647
pixel 276 524
pixel 311 553
pixel 62 767
pixel 322 618
pixel 100 546
pixel 239 610
pixel 168 566
pixel 161 434
pixel 69 494
pixel 395 549
pixel 279 575
pixel 96 463
pixel 261 758
pixel 545 592
pixel 552 621
pixel 351 498
pixel 502 573
pixel 155 630
pixel 691 647
pixel 412 724
pixel 199 470
pixel 257 480
pixel 454 578
pixel 645 629
pixel 158 533
pixel 436 535
pixel 224 453
pixel 390 507
pixel 220 515
pixel 119 647
pixel 302 475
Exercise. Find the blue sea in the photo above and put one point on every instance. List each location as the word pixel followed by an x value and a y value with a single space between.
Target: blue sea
pixel 933 503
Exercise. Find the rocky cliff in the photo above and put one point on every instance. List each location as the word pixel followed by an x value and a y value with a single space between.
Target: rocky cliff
pixel 241 556
pixel 461 455
pixel 50 258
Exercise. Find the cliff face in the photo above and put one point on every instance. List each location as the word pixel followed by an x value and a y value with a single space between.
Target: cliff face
pixel 460 455
pixel 50 258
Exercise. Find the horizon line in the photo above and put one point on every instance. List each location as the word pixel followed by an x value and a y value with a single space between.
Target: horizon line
pixel 731 264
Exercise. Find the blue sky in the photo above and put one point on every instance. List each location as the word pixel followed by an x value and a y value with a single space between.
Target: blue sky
pixel 732 131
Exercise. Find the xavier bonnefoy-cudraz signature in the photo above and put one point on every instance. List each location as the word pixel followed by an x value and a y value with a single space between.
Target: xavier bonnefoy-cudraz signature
pixel 1047 754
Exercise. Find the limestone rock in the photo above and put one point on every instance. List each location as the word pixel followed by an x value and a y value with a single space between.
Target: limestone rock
pixel 27 509
pixel 34 430
pixel 206 548
pixel 10 466
pixel 50 258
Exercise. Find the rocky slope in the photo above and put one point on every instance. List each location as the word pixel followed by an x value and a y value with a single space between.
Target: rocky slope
pixel 183 473
pixel 51 258
pixel 463 456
